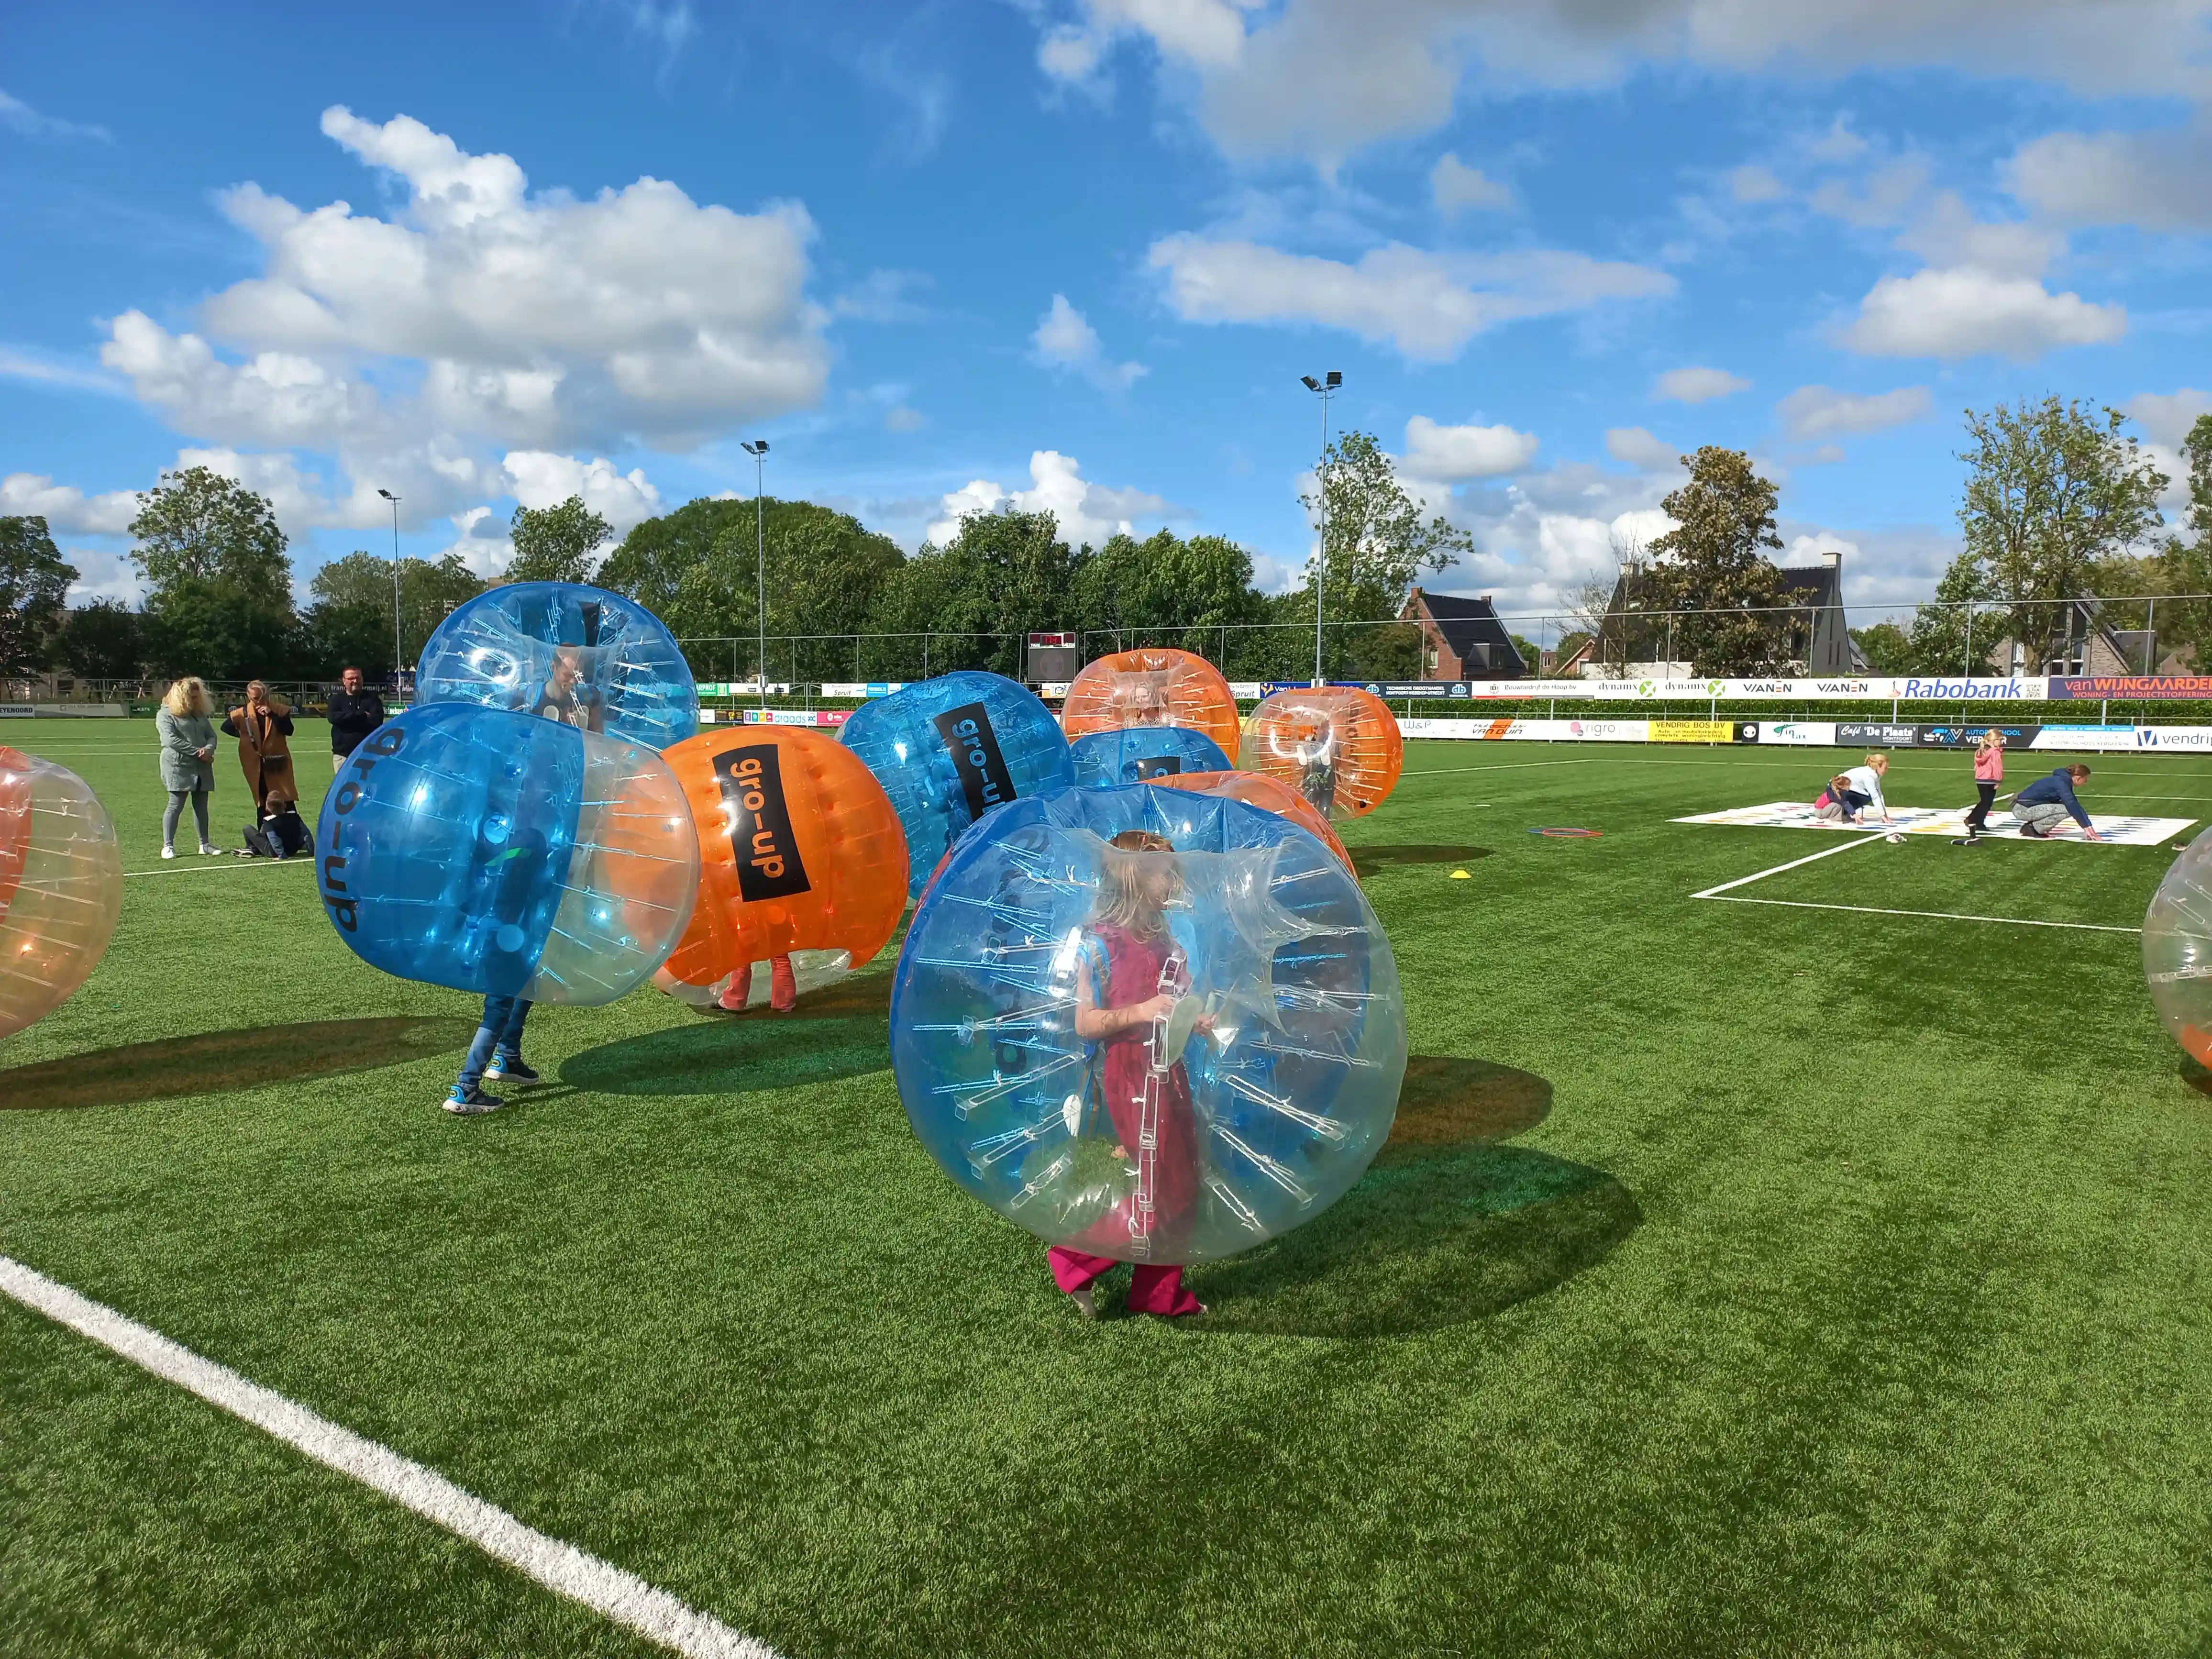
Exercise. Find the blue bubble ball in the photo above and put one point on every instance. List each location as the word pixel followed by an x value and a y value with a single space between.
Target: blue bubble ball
pixel 1253 1098
pixel 591 659
pixel 950 751
pixel 1138 754
pixel 506 854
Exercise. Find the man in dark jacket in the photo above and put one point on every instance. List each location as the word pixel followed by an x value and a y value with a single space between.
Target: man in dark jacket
pixel 355 711
pixel 2048 802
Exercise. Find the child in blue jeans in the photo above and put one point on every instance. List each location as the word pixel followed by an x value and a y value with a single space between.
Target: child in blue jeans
pixel 495 1056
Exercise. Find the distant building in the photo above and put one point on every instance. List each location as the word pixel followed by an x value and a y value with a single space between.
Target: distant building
pixel 1462 638
pixel 1817 640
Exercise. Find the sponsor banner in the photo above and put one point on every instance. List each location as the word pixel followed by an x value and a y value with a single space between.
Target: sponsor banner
pixel 742 689
pixel 49 711
pixel 2173 737
pixel 1864 689
pixel 1054 691
pixel 2084 739
pixel 2099 688
pixel 1691 732
pixel 1969 733
pixel 1877 734
pixel 1247 690
pixel 1540 730
pixel 797 716
pixel 1798 734
pixel 863 688
pixel 1417 690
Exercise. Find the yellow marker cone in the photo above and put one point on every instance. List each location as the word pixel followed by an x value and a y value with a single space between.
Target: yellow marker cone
pixel 1461 875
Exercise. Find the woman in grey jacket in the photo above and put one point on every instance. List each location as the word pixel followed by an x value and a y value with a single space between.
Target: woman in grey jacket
pixel 187 759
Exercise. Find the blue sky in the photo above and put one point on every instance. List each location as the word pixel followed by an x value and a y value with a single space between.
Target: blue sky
pixel 1078 253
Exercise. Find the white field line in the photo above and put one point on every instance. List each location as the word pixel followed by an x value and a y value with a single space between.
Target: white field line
pixel 566 1571
pixel 1938 915
pixel 1825 852
pixel 211 866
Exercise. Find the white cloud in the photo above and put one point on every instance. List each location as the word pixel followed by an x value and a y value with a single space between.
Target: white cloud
pixel 19 117
pixel 1634 445
pixel 1086 512
pixel 298 499
pixel 1948 234
pixel 2166 416
pixel 67 509
pixel 482 541
pixel 1457 187
pixel 28 363
pixel 1698 385
pixel 1324 78
pixel 1878 200
pixel 101 575
pixel 1428 306
pixel 1966 312
pixel 1816 411
pixel 1448 454
pixel 1065 339
pixel 900 418
pixel 2154 180
pixel 1753 184
pixel 539 479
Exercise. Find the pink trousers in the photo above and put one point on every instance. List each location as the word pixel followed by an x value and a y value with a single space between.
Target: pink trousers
pixel 1154 1290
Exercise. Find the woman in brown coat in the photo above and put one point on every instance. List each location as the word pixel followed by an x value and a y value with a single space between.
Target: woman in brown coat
pixel 263 728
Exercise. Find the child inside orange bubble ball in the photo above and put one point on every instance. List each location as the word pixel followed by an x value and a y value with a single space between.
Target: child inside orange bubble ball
pixel 1338 746
pixel 802 864
pixel 1271 794
pixel 1151 687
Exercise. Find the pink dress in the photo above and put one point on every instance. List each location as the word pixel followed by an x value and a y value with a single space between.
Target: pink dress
pixel 1153 1117
pixel 1988 766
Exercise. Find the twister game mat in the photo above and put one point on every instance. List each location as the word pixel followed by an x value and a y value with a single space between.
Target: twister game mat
pixel 2117 830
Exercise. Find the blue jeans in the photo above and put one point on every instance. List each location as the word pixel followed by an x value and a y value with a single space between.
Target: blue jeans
pixel 501 1032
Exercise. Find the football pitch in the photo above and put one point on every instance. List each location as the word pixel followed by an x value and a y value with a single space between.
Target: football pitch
pixel 1823 1266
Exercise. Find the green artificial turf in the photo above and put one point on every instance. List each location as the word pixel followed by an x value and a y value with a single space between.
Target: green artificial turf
pixel 1740 1280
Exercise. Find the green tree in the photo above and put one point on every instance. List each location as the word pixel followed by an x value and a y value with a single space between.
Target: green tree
pixel 34 592
pixel 1004 574
pixel 349 622
pixel 556 543
pixel 696 569
pixel 2180 567
pixel 1375 543
pixel 1886 647
pixel 1163 590
pixel 1956 634
pixel 103 640
pixel 2053 489
pixel 219 585
pixel 1711 569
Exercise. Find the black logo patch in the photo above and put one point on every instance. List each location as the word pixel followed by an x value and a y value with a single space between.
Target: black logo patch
pixel 1158 766
pixel 768 865
pixel 975 749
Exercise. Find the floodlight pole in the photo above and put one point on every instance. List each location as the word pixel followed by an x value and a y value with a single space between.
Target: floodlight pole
pixel 1324 389
pixel 758 450
pixel 399 668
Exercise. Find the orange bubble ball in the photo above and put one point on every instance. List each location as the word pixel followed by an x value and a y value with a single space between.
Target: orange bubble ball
pixel 61 886
pixel 1271 794
pixel 799 850
pixel 1338 746
pixel 1151 687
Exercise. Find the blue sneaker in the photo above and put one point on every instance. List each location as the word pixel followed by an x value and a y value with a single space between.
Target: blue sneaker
pixel 516 1071
pixel 471 1102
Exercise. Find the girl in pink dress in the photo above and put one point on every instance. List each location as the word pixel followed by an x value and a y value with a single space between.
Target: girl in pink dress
pixel 1989 773
pixel 1131 977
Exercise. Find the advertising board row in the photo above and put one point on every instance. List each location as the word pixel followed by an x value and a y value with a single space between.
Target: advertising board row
pixel 47 711
pixel 2055 688
pixel 1820 734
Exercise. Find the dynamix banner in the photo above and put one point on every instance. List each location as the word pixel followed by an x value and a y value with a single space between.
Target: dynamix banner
pixel 2100 688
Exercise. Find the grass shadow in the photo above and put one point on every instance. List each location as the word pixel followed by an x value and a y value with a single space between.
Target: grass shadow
pixel 2192 1072
pixel 1372 859
pixel 840 1031
pixel 216 1062
pixel 1447 1226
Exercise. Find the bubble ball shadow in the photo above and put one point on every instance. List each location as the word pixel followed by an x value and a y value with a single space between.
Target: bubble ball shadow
pixel 840 1031
pixel 216 1062
pixel 1447 1226
pixel 1375 858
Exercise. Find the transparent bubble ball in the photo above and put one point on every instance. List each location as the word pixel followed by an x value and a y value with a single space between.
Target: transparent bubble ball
pixel 61 886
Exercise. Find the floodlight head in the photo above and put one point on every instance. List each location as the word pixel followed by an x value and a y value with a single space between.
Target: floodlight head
pixel 1335 378
pixel 756 450
pixel 387 495
pixel 1312 385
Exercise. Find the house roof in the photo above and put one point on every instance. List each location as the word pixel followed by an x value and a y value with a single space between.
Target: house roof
pixel 1466 623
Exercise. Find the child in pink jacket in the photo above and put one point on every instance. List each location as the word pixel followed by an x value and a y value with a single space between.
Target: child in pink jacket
pixel 1989 773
